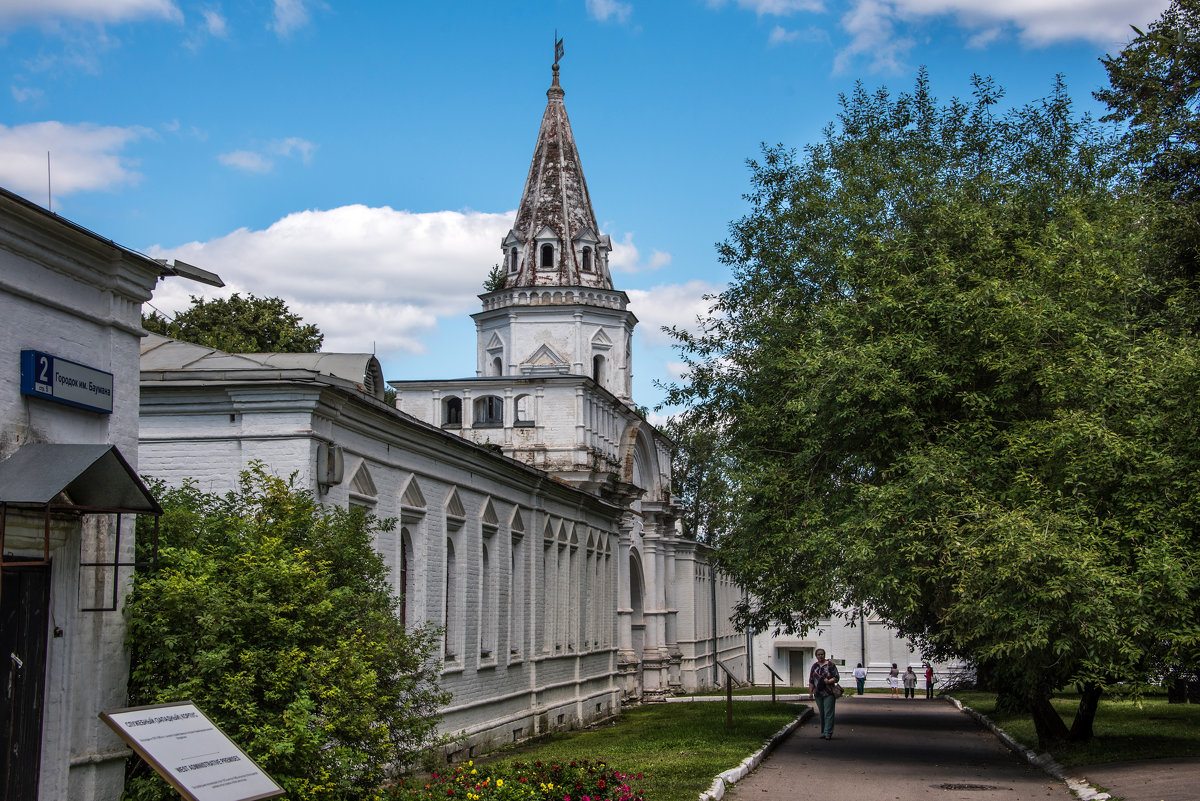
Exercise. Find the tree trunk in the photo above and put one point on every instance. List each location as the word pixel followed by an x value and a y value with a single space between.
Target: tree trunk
pixel 1051 730
pixel 1089 701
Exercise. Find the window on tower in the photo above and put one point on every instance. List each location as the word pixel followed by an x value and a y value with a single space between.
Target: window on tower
pixel 489 412
pixel 547 260
pixel 512 260
pixel 452 412
pixel 587 260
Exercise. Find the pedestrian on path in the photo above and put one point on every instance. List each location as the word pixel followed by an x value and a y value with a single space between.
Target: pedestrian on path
pixel 860 676
pixel 928 682
pixel 894 680
pixel 822 681
pixel 910 684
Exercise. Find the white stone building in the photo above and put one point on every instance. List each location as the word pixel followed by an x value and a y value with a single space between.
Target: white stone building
pixel 70 321
pixel 869 641
pixel 536 519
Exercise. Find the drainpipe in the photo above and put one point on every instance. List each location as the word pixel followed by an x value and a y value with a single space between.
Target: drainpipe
pixel 712 585
pixel 862 635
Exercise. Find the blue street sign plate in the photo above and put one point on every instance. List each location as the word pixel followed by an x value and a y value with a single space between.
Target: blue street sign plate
pixel 55 379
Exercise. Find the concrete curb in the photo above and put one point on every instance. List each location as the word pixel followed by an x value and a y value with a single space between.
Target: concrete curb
pixel 717 791
pixel 1080 787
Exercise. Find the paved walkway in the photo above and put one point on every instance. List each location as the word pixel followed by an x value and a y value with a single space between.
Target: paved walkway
pixel 1147 779
pixel 896 750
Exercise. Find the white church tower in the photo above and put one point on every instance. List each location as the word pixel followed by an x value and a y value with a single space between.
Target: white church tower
pixel 558 313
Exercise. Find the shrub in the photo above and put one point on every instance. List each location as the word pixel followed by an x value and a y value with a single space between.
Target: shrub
pixel 274 615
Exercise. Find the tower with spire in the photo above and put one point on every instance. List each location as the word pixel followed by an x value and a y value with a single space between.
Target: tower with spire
pixel 558 312
pixel 553 389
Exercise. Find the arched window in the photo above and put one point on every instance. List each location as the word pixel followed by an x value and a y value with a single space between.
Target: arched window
pixel 452 622
pixel 489 411
pixel 547 261
pixel 405 591
pixel 587 260
pixel 487 609
pixel 598 369
pixel 452 411
pixel 512 260
pixel 497 366
pixel 523 411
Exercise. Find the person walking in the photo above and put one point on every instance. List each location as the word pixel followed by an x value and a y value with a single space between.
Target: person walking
pixel 823 687
pixel 910 684
pixel 928 682
pixel 894 680
pixel 860 676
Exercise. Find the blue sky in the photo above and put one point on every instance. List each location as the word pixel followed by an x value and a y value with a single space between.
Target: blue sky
pixel 363 159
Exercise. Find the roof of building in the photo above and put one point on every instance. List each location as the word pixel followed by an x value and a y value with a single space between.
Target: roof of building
pixel 163 354
pixel 90 475
pixel 556 204
pixel 14 202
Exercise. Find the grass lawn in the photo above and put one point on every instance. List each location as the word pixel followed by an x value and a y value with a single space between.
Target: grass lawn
pixel 678 748
pixel 1146 728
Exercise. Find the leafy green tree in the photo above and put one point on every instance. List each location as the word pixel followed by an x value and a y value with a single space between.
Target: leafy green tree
pixel 939 400
pixel 496 279
pixel 1154 87
pixel 698 476
pixel 274 615
pixel 239 325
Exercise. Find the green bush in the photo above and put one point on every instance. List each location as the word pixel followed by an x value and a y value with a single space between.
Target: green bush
pixel 274 615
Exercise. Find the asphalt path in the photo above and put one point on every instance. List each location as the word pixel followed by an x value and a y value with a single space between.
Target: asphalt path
pixel 886 749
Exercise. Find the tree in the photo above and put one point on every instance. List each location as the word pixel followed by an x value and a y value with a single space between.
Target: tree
pixel 940 400
pixel 274 615
pixel 698 476
pixel 1154 87
pixel 239 325
pixel 496 279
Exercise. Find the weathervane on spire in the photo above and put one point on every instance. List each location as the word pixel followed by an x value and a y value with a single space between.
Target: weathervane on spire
pixel 558 53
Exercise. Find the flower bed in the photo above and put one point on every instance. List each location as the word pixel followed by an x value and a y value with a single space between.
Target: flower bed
pixel 578 780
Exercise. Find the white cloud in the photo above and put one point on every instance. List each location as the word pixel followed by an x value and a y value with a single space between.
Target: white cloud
pixel 246 160
pixel 100 11
pixel 603 10
pixel 1042 22
pixel 875 26
pixel 290 15
pixel 215 23
pixel 22 94
pixel 625 257
pixel 773 8
pixel 671 305
pixel 83 157
pixel 781 35
pixel 294 145
pixel 871 25
pixel 261 162
pixel 410 270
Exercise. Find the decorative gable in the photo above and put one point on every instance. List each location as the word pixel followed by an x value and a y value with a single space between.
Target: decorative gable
pixel 454 507
pixel 545 361
pixel 412 497
pixel 362 484
pixel 489 514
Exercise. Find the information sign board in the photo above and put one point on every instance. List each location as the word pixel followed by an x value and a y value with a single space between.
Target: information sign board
pixel 62 381
pixel 189 751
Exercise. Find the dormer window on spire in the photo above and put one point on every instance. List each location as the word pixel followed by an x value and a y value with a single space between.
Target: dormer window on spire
pixel 547 257
pixel 512 260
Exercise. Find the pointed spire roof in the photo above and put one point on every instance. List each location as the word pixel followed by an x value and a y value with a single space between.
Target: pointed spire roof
pixel 556 211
